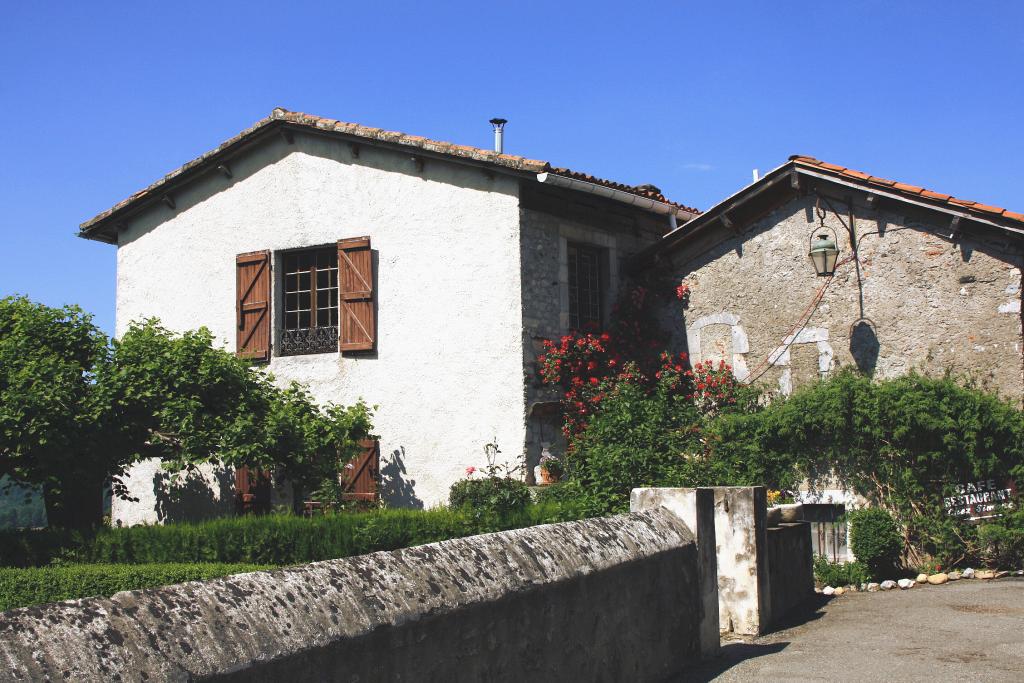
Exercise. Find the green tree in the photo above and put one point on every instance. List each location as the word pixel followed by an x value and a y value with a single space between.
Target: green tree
pixel 77 410
pixel 49 426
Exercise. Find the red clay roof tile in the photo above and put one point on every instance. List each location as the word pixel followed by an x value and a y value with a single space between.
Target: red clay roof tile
pixel 911 189
pixel 938 198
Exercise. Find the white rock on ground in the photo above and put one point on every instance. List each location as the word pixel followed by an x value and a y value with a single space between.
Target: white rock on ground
pixel 872 587
pixel 906 583
pixel 968 573
pixel 887 585
pixel 828 590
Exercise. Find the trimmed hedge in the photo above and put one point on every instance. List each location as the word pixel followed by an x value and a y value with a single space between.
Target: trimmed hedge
pixel 36 547
pixel 271 539
pixel 39 585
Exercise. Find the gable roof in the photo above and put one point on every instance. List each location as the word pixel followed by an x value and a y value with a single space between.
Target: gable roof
pixel 282 118
pixel 910 191
pixel 800 165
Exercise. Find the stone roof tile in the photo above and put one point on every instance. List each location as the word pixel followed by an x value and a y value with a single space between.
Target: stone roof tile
pixel 511 161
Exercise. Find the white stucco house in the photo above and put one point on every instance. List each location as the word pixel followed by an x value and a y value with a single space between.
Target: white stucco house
pixel 419 276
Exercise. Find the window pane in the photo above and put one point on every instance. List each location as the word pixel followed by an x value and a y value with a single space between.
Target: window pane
pixel 586 297
pixel 309 272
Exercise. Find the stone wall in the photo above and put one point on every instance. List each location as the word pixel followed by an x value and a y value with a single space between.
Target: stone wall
pixel 918 300
pixel 790 569
pixel 762 557
pixel 549 220
pixel 611 599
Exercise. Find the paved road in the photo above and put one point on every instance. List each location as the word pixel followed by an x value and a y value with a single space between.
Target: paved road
pixel 963 631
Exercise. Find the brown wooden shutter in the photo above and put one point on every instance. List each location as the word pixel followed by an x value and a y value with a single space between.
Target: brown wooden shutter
pixel 252 490
pixel 357 329
pixel 252 282
pixel 359 482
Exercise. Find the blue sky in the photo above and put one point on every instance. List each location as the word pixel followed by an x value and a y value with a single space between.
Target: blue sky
pixel 100 99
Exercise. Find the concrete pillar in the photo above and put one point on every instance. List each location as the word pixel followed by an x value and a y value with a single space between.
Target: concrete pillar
pixel 741 534
pixel 696 508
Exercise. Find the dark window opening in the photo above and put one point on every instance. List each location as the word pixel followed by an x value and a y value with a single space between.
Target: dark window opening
pixel 310 302
pixel 586 287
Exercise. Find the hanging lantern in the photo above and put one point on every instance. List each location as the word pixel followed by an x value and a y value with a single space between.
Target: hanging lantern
pixel 823 253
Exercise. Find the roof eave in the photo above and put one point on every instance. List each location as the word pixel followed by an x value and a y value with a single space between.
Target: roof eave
pixel 683 233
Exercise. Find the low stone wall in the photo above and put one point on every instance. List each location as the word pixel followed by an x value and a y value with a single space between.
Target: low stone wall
pixel 610 599
pixel 790 569
pixel 763 557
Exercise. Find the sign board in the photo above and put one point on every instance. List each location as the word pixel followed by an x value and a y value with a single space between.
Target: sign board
pixel 975 500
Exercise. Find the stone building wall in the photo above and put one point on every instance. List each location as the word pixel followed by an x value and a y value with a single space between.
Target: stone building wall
pixel 919 300
pixel 549 221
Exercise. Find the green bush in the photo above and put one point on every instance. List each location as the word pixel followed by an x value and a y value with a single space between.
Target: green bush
pixel 903 443
pixel 39 585
pixel 657 435
pixel 836 574
pixel 489 496
pixel 270 539
pixel 34 547
pixel 1001 541
pixel 876 541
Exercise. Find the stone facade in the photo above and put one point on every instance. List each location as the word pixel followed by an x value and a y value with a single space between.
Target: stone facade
pixel 549 222
pixel 472 273
pixel 917 300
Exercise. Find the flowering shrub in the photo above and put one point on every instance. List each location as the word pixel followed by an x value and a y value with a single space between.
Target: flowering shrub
pixel 714 387
pixel 495 494
pixel 683 293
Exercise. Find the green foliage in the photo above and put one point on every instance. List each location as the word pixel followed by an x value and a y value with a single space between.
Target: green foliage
pixel 837 574
pixel 1001 541
pixel 654 435
pixel 40 585
pixel 876 540
pixel 903 443
pixel 489 496
pixel 35 547
pixel 76 409
pixel 278 539
pixel 50 434
pixel 179 398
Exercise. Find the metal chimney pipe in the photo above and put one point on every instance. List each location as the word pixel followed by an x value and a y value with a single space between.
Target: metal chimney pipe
pixel 499 134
